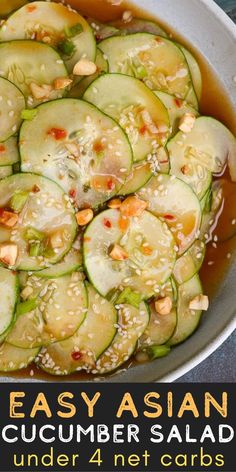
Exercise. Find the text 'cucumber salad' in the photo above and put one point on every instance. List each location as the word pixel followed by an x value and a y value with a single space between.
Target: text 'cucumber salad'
pixel 110 185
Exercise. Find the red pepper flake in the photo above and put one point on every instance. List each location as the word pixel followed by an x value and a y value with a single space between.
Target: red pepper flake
pixel 143 130
pixel 76 356
pixel 98 147
pixel 178 102
pixel 31 8
pixel 110 184
pixel 35 189
pixel 57 133
pixel 87 239
pixel 72 193
pixel 2 148
pixel 107 223
pixel 164 162
pixel 169 217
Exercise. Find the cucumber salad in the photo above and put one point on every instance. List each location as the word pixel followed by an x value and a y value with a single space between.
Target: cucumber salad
pixel 110 187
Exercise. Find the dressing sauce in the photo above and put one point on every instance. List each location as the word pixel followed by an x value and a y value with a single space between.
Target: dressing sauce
pixel 216 103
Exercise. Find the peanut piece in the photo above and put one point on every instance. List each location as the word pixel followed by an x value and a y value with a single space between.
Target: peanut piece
pixel 187 122
pixel 8 254
pixel 84 67
pixel 40 91
pixel 114 203
pixel 133 206
pixel 163 306
pixel 118 253
pixel 200 302
pixel 84 217
pixel 61 82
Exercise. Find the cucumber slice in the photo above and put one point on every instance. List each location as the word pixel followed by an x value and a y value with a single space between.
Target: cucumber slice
pixel 8 6
pixel 12 104
pixel 191 98
pixel 28 62
pixel 132 323
pixel 92 338
pixel 46 210
pixel 9 286
pixel 5 171
pixel 140 113
pixel 92 158
pixel 141 272
pixel 57 24
pixel 138 25
pixel 181 213
pixel 56 307
pixel 176 109
pixel 9 153
pixel 140 175
pixel 194 70
pixel 187 320
pixel 210 218
pixel 70 263
pixel 154 59
pixel 190 263
pixel 160 327
pixel 14 358
pixel 79 89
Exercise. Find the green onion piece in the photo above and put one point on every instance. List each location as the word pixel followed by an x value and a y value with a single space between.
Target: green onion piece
pixel 35 249
pixel 34 234
pixel 73 30
pixel 141 72
pixel 28 114
pixel 26 307
pixel 130 297
pixel 67 47
pixel 18 201
pixel 155 352
pixel 48 253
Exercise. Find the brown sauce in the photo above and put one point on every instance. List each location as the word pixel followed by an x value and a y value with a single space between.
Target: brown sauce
pixel 216 103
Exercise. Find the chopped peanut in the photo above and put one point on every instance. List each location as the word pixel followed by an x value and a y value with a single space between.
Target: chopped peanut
pixel 26 292
pixel 56 240
pixel 8 218
pixel 163 306
pixel 61 82
pixel 200 302
pixel 123 223
pixel 40 91
pixel 84 67
pixel 8 253
pixel 187 122
pixel 133 206
pixel 127 16
pixel 84 216
pixel 185 169
pixel 118 253
pixel 114 203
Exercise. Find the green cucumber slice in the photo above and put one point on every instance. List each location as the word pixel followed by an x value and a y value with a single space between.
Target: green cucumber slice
pixel 90 161
pixel 79 89
pixel 90 341
pixel 187 320
pixel 210 218
pixel 71 262
pixel 132 323
pixel 14 358
pixel 190 263
pixel 176 109
pixel 27 62
pixel 139 112
pixel 56 307
pixel 56 23
pixel 5 171
pixel 160 327
pixel 138 25
pixel 8 6
pixel 141 272
pixel 9 153
pixel 140 175
pixel 12 104
pixel 194 70
pixel 47 210
pixel 172 200
pixel 154 59
pixel 9 286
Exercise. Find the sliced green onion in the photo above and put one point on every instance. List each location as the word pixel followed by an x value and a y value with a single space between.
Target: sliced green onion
pixel 26 307
pixel 155 352
pixel 35 249
pixel 130 297
pixel 73 30
pixel 18 201
pixel 67 47
pixel 141 72
pixel 28 114
pixel 33 234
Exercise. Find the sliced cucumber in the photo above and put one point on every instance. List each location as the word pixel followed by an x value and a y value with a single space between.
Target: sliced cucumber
pixel 194 70
pixel 5 171
pixel 140 175
pixel 9 286
pixel 139 112
pixel 102 66
pixel 143 271
pixel 27 62
pixel 191 98
pixel 45 212
pixel 92 338
pixel 8 6
pixel 132 323
pixel 190 263
pixel 160 327
pixel 187 320
pixel 138 25
pixel 56 309
pixel 92 158
pixel 70 263
pixel 210 218
pixel 12 104
pixel 154 59
pixel 175 202
pixel 58 24
pixel 176 109
pixel 14 358
pixel 9 153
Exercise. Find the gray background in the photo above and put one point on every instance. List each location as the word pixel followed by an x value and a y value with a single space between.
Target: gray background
pixel 220 366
